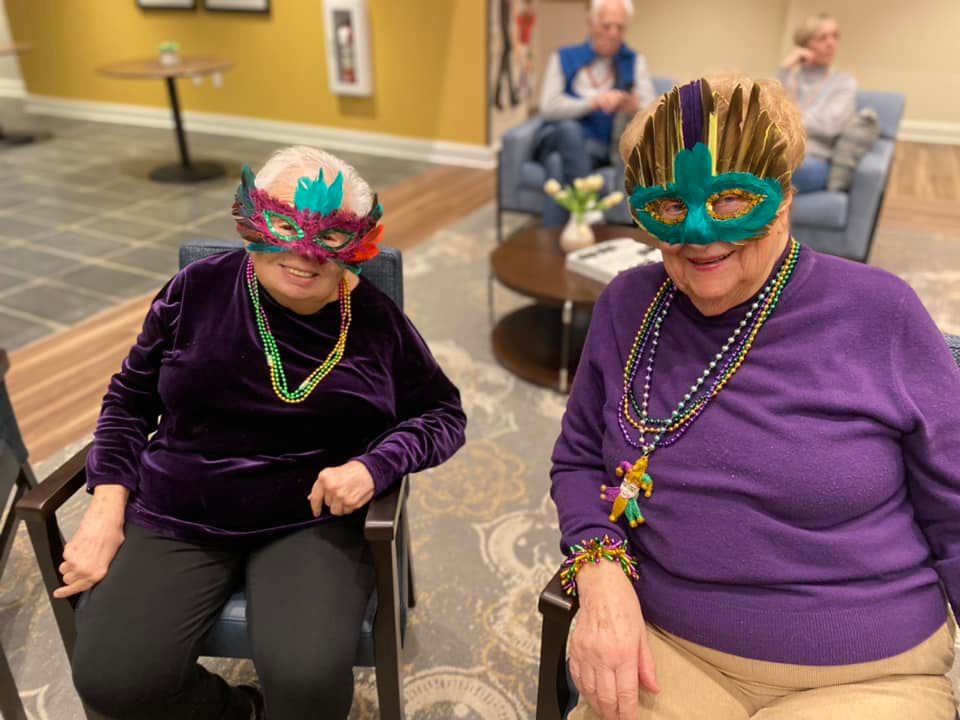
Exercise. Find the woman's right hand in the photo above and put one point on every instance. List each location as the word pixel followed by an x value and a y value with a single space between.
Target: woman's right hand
pixel 87 557
pixel 797 56
pixel 609 655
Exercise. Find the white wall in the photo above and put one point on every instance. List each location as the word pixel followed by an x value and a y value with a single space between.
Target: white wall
pixel 11 83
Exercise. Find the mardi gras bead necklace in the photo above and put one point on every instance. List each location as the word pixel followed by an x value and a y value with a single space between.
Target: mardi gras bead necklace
pixel 663 432
pixel 278 377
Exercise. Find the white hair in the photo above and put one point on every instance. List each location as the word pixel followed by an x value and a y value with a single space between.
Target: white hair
pixel 288 165
pixel 597 5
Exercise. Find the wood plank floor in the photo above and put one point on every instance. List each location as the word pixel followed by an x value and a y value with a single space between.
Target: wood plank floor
pixel 924 189
pixel 56 384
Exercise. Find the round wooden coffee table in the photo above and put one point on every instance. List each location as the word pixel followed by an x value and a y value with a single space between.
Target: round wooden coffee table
pixel 185 171
pixel 542 342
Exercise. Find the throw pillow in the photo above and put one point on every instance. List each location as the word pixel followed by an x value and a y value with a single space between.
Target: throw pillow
pixel 852 144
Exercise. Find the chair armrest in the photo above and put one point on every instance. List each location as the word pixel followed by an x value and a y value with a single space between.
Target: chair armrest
pixel 42 502
pixel 383 515
pixel 517 146
pixel 866 195
pixel 555 601
pixel 558 609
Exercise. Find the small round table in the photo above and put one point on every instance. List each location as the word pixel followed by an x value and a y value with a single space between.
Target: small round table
pixel 542 342
pixel 19 138
pixel 153 69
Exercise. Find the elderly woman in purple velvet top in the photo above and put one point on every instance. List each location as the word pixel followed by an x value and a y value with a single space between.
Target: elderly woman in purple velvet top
pixel 757 475
pixel 289 393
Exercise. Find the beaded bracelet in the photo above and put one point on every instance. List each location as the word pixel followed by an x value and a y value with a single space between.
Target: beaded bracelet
pixel 595 550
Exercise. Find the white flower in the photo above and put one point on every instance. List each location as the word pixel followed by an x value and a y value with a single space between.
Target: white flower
pixel 610 200
pixel 580 184
pixel 551 187
pixel 595 183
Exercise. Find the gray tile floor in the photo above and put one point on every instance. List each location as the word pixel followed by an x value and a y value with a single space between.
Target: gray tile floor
pixel 82 228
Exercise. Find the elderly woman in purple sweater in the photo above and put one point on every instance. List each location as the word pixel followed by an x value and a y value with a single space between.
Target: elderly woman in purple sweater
pixel 757 476
pixel 289 392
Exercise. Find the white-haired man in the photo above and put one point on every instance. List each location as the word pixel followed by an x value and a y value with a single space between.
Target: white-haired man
pixel 584 87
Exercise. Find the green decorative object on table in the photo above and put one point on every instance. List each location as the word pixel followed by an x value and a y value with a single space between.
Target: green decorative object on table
pixel 169 52
pixel 581 200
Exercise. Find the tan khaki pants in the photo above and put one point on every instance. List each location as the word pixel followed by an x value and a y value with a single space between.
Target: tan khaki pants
pixel 697 683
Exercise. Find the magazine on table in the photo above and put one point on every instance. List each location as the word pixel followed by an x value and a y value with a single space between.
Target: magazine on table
pixel 605 260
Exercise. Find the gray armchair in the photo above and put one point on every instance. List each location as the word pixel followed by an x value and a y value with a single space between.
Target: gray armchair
pixel 520 177
pixel 843 223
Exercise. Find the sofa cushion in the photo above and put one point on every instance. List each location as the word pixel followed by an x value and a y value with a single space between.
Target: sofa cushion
pixel 532 175
pixel 820 209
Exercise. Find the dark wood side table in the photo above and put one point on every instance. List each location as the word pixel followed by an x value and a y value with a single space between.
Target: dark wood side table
pixel 542 342
pixel 152 69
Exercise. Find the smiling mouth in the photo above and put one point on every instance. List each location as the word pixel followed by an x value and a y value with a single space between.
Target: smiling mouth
pixel 297 272
pixel 710 261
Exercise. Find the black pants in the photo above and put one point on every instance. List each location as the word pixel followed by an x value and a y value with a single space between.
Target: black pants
pixel 136 651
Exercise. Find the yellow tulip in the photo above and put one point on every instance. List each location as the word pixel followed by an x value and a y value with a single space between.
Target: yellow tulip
pixel 551 187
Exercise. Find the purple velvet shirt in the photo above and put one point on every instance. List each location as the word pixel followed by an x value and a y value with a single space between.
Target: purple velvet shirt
pixel 229 459
pixel 812 511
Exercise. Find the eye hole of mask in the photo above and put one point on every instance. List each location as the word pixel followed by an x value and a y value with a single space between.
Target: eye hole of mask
pixel 335 239
pixel 669 211
pixel 282 227
pixel 731 204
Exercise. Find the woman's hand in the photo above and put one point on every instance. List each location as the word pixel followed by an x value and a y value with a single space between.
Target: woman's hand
pixel 609 655
pixel 343 489
pixel 797 56
pixel 87 557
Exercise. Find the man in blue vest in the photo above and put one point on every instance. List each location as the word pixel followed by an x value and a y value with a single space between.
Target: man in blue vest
pixel 584 87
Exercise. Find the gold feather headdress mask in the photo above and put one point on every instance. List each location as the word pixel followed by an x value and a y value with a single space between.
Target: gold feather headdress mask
pixel 689 180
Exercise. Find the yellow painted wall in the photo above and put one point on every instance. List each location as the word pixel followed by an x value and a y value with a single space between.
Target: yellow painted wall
pixel 429 61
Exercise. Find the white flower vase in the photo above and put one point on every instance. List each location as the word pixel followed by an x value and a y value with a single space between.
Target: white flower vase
pixel 576 234
pixel 169 58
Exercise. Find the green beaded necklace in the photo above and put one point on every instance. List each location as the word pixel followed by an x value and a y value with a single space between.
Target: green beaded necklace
pixel 278 377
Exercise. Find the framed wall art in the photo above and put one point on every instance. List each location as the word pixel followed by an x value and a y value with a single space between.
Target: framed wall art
pixel 254 6
pixel 167 4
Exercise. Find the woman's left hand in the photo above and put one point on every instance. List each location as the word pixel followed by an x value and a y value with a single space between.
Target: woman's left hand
pixel 343 489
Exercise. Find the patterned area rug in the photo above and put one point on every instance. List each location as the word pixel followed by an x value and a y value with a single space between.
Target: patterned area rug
pixel 483 527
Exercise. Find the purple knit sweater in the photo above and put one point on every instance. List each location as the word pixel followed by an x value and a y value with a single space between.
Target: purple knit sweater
pixel 812 512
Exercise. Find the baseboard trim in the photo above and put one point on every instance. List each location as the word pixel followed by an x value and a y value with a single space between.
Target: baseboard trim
pixel 284 133
pixel 12 88
pixel 941 133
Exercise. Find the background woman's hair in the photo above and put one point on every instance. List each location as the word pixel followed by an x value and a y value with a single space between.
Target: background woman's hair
pixel 292 163
pixel 773 99
pixel 808 28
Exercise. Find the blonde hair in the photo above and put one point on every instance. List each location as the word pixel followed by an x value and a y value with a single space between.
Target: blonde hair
pixel 773 99
pixel 289 164
pixel 808 28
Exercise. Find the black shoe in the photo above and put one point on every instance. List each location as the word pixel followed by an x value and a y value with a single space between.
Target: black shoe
pixel 256 700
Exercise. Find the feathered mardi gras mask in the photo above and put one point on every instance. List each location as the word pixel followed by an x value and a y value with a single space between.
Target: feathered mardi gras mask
pixel 690 181
pixel 315 226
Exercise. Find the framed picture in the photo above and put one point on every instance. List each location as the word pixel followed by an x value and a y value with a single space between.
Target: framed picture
pixel 254 6
pixel 167 4
pixel 348 47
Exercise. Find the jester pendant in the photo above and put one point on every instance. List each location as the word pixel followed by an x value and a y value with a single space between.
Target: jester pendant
pixel 635 479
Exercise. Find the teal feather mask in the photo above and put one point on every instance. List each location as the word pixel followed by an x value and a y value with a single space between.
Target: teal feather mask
pixel 690 181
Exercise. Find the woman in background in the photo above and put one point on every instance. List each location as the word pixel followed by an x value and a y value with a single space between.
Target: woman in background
pixel 826 99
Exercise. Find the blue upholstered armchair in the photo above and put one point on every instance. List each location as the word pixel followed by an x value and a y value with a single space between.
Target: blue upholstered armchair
pixel 843 223
pixel 520 177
